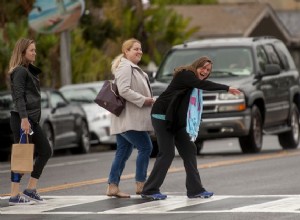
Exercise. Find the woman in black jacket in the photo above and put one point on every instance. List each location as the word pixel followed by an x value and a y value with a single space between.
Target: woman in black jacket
pixel 25 117
pixel 170 119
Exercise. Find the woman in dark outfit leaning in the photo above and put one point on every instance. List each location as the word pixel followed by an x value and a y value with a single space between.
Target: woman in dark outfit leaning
pixel 25 88
pixel 170 118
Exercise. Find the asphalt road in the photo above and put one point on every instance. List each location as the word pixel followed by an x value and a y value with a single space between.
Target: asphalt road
pixel 255 186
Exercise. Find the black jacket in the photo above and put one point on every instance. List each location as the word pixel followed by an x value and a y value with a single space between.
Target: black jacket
pixel 25 88
pixel 174 101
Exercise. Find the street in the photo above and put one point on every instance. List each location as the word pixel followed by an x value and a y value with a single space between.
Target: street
pixel 253 186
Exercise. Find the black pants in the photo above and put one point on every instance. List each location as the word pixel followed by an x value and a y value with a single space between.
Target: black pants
pixel 42 147
pixel 166 145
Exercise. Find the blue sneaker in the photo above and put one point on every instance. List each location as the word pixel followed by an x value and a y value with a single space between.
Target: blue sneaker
pixel 157 196
pixel 32 194
pixel 19 200
pixel 203 195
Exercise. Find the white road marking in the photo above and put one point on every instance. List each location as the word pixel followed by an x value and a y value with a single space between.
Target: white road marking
pixel 276 204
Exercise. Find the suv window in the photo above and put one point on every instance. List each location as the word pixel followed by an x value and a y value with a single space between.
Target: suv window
pixel 285 55
pixel 80 95
pixel 56 98
pixel 227 61
pixel 262 57
pixel 273 57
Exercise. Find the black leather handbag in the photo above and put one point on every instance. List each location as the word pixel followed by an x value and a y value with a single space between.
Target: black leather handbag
pixel 109 98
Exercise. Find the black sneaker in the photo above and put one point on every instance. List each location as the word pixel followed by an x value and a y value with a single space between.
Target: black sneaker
pixel 32 194
pixel 19 200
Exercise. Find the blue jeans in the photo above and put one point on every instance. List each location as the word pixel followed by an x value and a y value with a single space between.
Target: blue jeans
pixel 126 141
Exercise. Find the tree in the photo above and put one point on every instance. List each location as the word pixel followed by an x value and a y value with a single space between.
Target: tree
pixel 162 32
pixel 158 28
pixel 96 41
pixel 88 63
pixel 14 25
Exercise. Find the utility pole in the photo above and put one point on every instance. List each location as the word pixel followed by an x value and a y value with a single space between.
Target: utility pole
pixel 65 58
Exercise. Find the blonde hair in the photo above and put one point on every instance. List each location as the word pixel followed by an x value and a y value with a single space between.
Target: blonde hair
pixel 194 66
pixel 127 45
pixel 18 54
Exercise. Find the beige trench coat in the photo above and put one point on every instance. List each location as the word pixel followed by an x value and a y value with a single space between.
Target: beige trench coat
pixel 133 84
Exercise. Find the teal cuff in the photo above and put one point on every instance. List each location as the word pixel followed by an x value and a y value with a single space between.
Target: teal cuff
pixel 159 116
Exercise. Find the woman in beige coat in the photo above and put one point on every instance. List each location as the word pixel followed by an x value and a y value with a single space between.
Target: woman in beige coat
pixel 133 125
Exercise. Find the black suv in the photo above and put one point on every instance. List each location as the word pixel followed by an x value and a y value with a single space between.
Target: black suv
pixel 263 69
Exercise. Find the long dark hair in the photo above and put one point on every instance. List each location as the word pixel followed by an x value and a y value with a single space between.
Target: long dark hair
pixel 18 54
pixel 200 62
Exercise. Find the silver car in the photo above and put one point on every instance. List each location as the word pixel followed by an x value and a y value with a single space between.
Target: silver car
pixel 98 118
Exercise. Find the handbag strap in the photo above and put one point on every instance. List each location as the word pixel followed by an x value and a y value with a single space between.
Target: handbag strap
pixel 27 140
pixel 114 81
pixel 111 88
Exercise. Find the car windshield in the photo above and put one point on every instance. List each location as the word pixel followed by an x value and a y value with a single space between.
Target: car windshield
pixel 81 95
pixel 227 61
pixel 6 102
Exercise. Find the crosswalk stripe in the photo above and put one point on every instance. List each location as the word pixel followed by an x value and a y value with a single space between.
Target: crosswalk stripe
pixel 173 204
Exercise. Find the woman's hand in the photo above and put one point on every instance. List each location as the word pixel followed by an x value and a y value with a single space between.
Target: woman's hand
pixel 149 101
pixel 25 125
pixel 234 91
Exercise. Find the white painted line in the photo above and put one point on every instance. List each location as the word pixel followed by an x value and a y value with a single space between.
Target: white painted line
pixel 171 203
pixel 279 204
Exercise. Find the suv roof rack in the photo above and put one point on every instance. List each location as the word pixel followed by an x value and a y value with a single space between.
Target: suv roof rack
pixel 263 37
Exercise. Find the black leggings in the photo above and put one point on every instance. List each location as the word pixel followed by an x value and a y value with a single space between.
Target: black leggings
pixel 166 145
pixel 42 147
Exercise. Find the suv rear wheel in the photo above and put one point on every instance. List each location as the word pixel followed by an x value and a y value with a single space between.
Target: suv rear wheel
pixel 252 143
pixel 290 139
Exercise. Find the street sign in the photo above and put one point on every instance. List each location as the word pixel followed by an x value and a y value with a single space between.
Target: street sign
pixel 55 16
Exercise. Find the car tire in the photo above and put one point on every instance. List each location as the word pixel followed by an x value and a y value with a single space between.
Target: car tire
pixel 47 128
pixel 84 144
pixel 252 143
pixel 290 139
pixel 199 145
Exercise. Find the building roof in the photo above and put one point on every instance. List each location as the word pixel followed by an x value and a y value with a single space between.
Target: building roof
pixel 230 20
pixel 291 20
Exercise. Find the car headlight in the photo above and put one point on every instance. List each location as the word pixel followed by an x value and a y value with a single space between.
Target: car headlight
pixel 229 102
pixel 228 96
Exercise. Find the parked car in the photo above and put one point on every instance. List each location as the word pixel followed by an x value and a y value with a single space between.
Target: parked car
pixel 98 117
pixel 64 124
pixel 267 77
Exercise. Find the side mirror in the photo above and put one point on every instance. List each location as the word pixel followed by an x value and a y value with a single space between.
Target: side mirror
pixel 61 105
pixel 271 69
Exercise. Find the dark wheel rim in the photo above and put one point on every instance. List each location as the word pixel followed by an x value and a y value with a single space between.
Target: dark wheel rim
pixel 85 137
pixel 295 125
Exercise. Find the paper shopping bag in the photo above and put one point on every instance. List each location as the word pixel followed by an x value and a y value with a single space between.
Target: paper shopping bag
pixel 22 157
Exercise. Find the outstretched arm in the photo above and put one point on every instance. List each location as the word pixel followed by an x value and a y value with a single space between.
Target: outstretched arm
pixel 234 91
